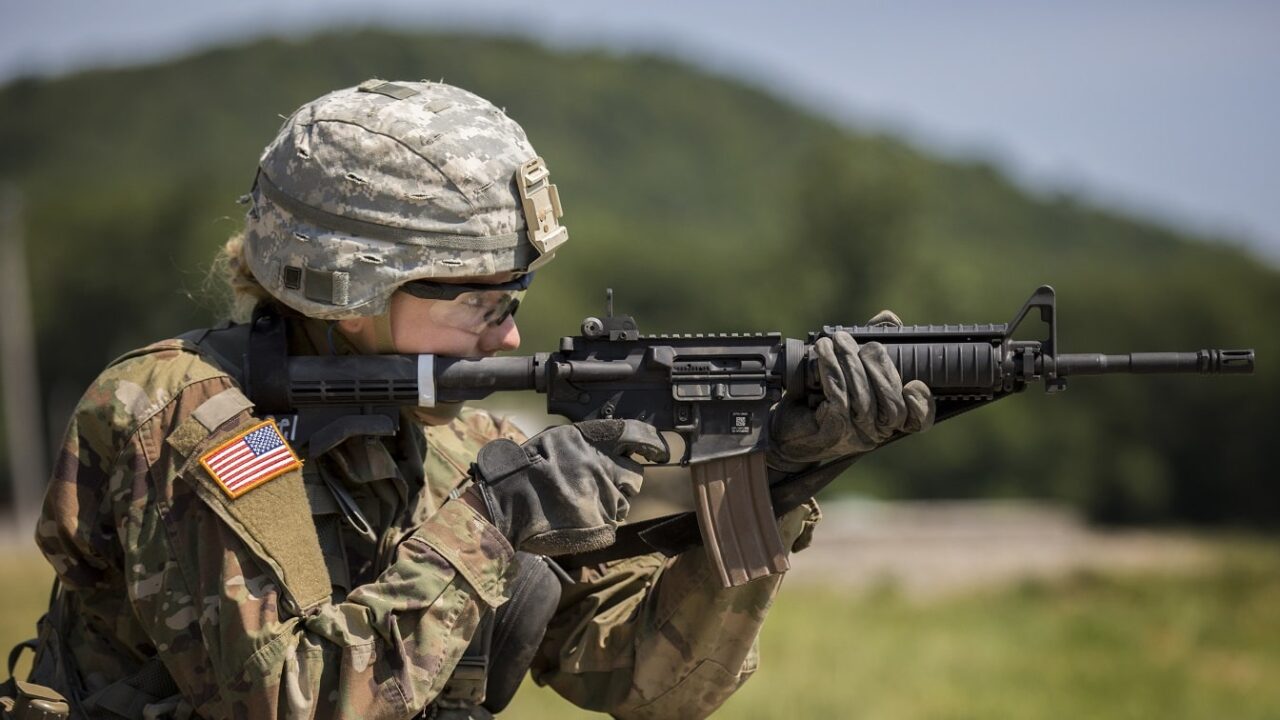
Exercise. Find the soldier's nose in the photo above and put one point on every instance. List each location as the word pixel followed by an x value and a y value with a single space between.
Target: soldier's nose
pixel 501 337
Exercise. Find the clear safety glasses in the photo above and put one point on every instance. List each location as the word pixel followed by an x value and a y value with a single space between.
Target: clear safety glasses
pixel 470 307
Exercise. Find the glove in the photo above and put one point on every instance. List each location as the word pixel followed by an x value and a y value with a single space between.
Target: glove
pixel 565 490
pixel 864 403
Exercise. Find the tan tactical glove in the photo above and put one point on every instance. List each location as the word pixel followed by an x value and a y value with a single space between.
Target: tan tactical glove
pixel 566 489
pixel 864 403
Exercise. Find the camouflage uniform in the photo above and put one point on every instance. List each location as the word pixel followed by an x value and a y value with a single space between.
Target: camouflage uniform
pixel 151 566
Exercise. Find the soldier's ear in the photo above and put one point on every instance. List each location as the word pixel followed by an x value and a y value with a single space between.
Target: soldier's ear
pixel 358 331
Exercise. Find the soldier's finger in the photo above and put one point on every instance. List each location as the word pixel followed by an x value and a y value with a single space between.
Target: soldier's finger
pixel 629 479
pixel 616 437
pixel 885 317
pixel 921 407
pixel 642 439
pixel 861 397
pixel 886 384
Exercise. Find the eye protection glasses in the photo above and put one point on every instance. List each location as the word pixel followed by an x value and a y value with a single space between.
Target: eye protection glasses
pixel 473 307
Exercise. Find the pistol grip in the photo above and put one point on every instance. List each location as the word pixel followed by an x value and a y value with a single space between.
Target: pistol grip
pixel 736 517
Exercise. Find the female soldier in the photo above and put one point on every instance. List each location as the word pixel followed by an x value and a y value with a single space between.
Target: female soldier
pixel 206 570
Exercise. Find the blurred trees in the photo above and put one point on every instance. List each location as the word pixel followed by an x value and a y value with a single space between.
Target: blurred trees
pixel 708 206
pixel 856 217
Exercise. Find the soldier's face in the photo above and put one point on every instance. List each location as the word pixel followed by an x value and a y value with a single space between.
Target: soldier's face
pixel 432 326
pixel 437 327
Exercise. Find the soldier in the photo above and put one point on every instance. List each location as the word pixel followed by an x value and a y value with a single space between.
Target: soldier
pixel 207 571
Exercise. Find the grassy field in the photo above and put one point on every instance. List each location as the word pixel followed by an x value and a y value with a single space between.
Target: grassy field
pixel 1202 645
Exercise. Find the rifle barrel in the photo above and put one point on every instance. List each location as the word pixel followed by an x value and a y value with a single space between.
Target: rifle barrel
pixel 1216 362
pixel 469 379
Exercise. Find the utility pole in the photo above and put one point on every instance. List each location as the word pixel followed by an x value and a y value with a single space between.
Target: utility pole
pixel 19 383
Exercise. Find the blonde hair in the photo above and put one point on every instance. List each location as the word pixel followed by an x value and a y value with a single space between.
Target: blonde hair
pixel 242 291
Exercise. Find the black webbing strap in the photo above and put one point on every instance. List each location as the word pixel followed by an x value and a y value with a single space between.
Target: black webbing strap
pixel 16 653
pixel 128 697
pixel 674 534
pixel 225 345
pixel 266 375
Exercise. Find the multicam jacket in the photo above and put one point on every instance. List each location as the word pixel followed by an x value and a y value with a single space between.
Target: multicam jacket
pixel 153 563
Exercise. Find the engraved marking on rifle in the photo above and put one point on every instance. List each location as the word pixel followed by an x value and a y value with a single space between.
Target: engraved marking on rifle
pixel 288 425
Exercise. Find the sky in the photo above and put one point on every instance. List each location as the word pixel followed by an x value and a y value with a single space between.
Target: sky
pixel 1168 109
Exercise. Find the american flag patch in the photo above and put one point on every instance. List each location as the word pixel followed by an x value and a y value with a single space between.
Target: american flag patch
pixel 250 459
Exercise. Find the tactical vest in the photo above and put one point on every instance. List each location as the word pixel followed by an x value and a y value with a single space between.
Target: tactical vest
pixel 483 683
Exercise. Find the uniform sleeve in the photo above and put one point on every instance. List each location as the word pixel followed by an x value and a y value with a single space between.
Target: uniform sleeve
pixel 385 651
pixel 651 637
pixel 211 607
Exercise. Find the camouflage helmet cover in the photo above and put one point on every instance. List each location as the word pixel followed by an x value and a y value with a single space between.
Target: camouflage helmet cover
pixel 370 187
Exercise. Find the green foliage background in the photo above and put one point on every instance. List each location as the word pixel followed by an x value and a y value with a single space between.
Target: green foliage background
pixel 708 206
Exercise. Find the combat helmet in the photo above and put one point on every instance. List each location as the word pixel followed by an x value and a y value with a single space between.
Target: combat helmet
pixel 371 187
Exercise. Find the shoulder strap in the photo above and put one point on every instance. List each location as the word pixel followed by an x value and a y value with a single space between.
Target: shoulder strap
pixel 226 346
pixel 128 698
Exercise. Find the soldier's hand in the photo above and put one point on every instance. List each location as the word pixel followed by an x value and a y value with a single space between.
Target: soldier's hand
pixel 864 403
pixel 567 488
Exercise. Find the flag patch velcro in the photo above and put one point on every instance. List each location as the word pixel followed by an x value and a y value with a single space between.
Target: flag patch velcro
pixel 250 459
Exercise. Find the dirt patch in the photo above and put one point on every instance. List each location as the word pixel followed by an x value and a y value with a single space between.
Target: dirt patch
pixel 926 549
pixel 930 548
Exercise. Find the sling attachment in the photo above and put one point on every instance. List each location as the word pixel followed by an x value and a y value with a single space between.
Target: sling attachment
pixel 29 701
pixel 21 700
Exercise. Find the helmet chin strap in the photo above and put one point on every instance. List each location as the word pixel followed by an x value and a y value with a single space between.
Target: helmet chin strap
pixel 383 342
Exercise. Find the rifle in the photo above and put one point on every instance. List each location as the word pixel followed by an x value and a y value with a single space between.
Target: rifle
pixel 715 390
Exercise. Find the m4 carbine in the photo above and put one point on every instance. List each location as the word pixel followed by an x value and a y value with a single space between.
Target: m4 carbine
pixel 715 390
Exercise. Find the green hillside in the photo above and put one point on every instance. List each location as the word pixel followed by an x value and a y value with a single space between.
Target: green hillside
pixel 708 206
